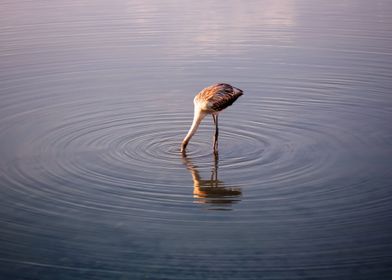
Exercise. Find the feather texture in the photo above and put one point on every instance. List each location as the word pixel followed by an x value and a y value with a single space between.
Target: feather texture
pixel 217 97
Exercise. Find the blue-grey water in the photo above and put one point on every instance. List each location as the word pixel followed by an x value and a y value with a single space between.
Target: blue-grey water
pixel 96 97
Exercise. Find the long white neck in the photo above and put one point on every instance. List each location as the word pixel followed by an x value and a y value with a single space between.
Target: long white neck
pixel 197 118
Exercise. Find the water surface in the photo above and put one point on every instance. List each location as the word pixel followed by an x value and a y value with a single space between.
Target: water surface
pixel 97 96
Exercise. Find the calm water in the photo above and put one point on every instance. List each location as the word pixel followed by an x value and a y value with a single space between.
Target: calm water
pixel 96 97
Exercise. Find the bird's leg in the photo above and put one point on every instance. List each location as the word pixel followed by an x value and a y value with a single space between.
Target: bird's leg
pixel 214 177
pixel 215 117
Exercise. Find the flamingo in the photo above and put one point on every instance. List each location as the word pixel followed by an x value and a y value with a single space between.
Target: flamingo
pixel 211 100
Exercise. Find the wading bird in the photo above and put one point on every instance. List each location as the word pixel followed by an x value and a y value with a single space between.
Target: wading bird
pixel 211 100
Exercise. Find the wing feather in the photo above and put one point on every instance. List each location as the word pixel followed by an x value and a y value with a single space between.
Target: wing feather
pixel 218 97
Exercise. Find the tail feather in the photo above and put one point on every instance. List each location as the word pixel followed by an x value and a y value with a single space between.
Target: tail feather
pixel 225 97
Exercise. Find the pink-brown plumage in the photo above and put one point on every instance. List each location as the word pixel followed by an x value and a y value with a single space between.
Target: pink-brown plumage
pixel 217 97
pixel 211 100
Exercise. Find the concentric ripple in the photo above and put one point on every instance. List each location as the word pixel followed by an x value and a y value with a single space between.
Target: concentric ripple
pixel 134 151
pixel 96 98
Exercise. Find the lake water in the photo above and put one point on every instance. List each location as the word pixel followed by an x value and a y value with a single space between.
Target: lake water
pixel 96 97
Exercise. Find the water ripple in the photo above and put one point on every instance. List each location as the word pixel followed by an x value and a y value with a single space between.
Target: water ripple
pixel 96 98
pixel 132 154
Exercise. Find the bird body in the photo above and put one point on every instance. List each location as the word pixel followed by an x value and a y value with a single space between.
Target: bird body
pixel 211 100
pixel 215 98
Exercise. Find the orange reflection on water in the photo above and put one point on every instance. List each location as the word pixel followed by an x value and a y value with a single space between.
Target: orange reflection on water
pixel 212 191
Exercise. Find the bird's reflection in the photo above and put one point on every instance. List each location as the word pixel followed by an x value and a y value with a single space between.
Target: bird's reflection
pixel 212 191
